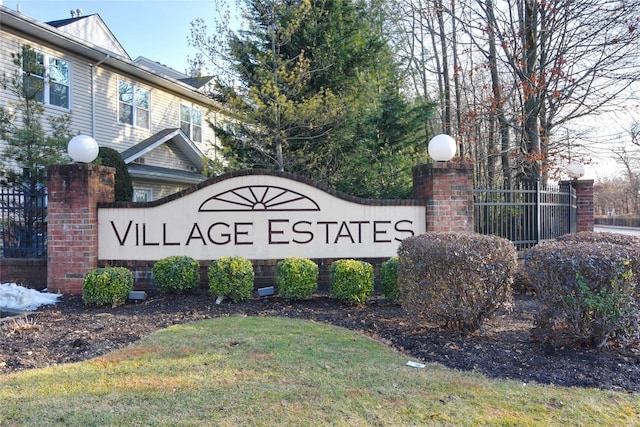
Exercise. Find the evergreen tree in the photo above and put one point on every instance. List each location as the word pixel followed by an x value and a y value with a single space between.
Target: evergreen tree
pixel 123 186
pixel 316 92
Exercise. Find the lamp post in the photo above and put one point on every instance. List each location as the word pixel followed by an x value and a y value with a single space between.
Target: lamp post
pixel 575 170
pixel 442 148
pixel 83 149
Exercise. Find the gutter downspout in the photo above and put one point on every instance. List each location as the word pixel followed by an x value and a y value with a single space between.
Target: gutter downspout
pixel 93 94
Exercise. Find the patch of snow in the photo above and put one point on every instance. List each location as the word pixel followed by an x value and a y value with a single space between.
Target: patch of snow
pixel 14 297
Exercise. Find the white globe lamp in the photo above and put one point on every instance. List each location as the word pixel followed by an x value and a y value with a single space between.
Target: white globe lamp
pixel 575 170
pixel 442 148
pixel 83 149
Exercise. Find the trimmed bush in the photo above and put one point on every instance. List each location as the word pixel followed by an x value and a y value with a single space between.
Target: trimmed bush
pixel 455 280
pixel 598 237
pixel 389 273
pixel 297 278
pixel 603 237
pixel 351 280
pixel 107 286
pixel 589 291
pixel 231 277
pixel 176 273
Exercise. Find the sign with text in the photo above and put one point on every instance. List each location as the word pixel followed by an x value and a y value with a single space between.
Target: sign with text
pixel 257 216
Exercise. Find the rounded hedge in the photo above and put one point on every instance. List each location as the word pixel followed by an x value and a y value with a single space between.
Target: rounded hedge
pixel 589 291
pixel 176 273
pixel 297 278
pixel 231 277
pixel 351 280
pixel 455 279
pixel 107 286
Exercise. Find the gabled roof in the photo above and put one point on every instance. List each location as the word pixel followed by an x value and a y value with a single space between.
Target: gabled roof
pixel 176 135
pixel 159 68
pixel 92 29
pixel 197 82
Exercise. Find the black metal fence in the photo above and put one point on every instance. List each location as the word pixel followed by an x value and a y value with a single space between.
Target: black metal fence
pixel 618 221
pixel 527 215
pixel 23 223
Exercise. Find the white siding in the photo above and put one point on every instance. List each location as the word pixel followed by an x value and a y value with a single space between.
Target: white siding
pixel 168 154
pixel 165 113
pixel 80 105
pixel 165 106
pixel 158 189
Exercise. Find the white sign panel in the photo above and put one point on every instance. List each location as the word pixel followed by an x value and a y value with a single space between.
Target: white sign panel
pixel 257 217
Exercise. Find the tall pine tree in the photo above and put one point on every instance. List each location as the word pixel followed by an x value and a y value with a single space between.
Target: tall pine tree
pixel 316 92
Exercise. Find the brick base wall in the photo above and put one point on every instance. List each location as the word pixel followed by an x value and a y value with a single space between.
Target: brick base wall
pixel 445 189
pixel 30 273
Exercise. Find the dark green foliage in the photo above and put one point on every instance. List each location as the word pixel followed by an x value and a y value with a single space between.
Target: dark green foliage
pixel 456 280
pixel 231 277
pixel 176 273
pixel 389 272
pixel 351 280
pixel 107 286
pixel 589 291
pixel 123 185
pixel 384 148
pixel 297 278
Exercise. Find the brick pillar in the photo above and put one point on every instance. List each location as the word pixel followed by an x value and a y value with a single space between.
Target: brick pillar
pixel 72 215
pixel 446 189
pixel 584 202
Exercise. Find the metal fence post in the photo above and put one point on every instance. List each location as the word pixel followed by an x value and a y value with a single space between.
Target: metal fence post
pixel 538 218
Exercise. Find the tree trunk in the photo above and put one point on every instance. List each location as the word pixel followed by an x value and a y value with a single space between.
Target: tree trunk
pixel 446 123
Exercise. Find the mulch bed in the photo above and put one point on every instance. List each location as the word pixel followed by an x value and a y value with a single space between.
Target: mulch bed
pixel 69 331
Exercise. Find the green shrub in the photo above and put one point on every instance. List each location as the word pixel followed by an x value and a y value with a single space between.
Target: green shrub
pixel 297 278
pixel 455 279
pixel 231 277
pixel 176 273
pixel 351 280
pixel 107 286
pixel 589 291
pixel 389 273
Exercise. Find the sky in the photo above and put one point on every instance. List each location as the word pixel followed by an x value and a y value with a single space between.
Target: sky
pixel 155 29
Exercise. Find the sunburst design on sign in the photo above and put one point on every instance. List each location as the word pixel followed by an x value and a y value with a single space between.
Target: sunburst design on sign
pixel 258 198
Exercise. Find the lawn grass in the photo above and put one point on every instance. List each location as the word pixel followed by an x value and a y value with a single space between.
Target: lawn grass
pixel 267 371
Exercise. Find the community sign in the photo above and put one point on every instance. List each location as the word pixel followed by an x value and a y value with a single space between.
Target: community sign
pixel 257 216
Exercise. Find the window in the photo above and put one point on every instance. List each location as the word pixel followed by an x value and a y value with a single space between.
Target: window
pixel 133 105
pixel 48 84
pixel 58 82
pixel 142 194
pixel 191 122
